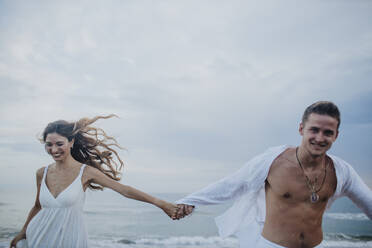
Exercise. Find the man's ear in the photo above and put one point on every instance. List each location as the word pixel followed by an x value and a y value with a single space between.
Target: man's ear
pixel 301 129
pixel 337 132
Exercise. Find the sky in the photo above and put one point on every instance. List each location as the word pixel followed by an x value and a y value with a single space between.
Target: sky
pixel 200 87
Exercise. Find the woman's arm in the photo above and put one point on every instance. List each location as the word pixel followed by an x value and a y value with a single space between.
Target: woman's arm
pixel 34 210
pixel 96 176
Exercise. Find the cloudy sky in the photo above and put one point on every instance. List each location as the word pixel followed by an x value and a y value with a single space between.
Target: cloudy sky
pixel 200 86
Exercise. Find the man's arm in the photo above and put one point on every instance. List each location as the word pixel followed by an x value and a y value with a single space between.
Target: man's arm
pixel 216 193
pixel 358 192
pixel 249 177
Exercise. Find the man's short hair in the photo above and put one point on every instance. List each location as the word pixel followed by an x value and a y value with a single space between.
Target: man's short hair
pixel 322 108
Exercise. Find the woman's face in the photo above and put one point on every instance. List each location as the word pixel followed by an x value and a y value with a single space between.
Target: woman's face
pixel 58 146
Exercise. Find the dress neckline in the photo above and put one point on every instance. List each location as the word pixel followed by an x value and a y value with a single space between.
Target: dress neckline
pixel 65 189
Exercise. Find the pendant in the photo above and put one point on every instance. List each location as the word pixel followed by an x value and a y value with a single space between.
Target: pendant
pixel 314 197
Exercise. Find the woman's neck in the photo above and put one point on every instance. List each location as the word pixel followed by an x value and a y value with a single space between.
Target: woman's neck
pixel 66 163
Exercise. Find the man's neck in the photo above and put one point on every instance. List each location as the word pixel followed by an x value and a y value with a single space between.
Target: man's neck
pixel 309 161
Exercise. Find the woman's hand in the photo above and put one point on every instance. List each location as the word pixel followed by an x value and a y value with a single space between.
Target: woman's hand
pixel 169 208
pixel 17 238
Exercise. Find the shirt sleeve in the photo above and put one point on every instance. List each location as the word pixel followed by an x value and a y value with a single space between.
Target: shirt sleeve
pixel 358 192
pixel 230 187
pixel 223 190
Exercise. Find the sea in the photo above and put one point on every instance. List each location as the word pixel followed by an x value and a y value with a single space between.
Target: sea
pixel 117 222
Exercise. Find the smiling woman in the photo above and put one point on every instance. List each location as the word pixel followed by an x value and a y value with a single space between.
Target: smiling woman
pixel 83 158
pixel 88 145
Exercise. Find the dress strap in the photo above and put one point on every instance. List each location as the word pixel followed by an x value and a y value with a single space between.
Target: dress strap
pixel 82 169
pixel 45 172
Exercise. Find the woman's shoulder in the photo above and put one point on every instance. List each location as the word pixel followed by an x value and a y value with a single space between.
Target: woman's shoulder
pixel 90 170
pixel 40 171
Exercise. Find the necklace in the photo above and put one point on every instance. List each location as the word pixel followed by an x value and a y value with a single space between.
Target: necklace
pixel 314 197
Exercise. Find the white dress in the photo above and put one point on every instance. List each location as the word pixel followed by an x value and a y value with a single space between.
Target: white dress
pixel 59 223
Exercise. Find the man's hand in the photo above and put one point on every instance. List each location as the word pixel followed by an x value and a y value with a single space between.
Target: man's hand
pixel 183 210
pixel 17 238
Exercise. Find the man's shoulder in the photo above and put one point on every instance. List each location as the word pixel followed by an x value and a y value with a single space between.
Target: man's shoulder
pixel 285 161
pixel 344 171
pixel 277 149
pixel 274 151
pixel 339 163
pixel 262 162
pixel 266 157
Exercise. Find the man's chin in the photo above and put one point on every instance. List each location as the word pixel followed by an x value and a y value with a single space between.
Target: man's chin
pixel 319 151
pixel 317 154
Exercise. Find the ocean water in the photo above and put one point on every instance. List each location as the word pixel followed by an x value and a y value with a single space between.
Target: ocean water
pixel 116 222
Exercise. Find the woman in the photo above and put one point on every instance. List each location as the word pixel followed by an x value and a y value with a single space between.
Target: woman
pixel 84 158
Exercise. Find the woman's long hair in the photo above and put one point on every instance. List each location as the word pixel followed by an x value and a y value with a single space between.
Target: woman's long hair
pixel 92 146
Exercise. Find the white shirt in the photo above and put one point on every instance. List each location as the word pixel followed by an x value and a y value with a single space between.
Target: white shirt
pixel 245 219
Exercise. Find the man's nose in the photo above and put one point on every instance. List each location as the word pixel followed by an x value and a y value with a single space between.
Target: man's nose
pixel 319 137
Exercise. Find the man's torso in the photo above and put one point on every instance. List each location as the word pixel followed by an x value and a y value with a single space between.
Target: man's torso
pixel 292 220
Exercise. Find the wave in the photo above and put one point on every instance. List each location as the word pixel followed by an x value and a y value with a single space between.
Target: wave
pixel 332 241
pixel 169 242
pixel 186 240
pixel 347 237
pixel 126 242
pixel 7 233
pixel 115 212
pixel 347 244
pixel 346 216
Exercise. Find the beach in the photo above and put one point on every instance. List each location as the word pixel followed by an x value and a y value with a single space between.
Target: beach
pixel 113 221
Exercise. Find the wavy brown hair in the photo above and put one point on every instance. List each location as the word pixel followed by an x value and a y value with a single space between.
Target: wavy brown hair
pixel 92 146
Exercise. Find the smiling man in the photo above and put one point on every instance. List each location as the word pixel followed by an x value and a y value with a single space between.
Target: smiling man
pixel 281 195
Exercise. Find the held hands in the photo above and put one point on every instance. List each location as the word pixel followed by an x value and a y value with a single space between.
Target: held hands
pixel 176 212
pixel 183 210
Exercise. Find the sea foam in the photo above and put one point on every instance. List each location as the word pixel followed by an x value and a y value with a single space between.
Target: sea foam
pixel 346 216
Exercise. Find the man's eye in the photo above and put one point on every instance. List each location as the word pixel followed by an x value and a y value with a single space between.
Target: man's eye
pixel 330 133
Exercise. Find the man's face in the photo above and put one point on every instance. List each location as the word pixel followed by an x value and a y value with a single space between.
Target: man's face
pixel 318 133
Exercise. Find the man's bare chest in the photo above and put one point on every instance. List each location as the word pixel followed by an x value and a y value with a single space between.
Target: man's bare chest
pixel 289 183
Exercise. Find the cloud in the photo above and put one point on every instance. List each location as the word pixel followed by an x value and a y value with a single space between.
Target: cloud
pixel 198 84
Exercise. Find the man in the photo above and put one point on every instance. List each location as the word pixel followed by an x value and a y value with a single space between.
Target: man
pixel 281 195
